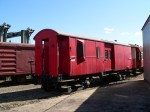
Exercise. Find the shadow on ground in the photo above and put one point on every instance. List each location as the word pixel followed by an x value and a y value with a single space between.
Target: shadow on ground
pixel 38 93
pixel 26 95
pixel 126 97
pixel 11 83
pixel 35 93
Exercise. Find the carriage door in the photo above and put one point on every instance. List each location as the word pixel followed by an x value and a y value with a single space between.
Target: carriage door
pixel 45 57
pixel 108 57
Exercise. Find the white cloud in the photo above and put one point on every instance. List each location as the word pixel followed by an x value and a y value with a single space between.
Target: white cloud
pixel 138 33
pixel 125 33
pixel 108 30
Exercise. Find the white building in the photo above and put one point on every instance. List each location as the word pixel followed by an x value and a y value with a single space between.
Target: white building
pixel 146 49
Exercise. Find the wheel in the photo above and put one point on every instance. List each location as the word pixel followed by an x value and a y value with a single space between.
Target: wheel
pixel 142 70
pixel 35 80
pixel 18 79
pixel 69 89
pixel 123 77
pixel 128 74
pixel 49 86
pixel 119 77
pixel 86 83
pixel 21 79
pixel 46 85
pixel 14 79
pixel 134 72
pixel 58 87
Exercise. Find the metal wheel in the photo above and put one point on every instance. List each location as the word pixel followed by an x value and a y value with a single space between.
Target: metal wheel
pixel 123 77
pixel 119 77
pixel 69 90
pixel 18 79
pixel 86 83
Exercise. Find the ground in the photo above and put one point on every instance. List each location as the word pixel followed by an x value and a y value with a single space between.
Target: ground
pixel 131 95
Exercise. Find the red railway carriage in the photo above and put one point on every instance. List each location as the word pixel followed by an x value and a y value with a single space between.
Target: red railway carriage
pixel 60 57
pixel 16 60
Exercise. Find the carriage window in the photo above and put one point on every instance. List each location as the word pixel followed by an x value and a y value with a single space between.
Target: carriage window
pixel 97 52
pixel 80 49
pixel 106 54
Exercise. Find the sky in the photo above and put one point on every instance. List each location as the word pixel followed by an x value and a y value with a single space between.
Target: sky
pixel 119 20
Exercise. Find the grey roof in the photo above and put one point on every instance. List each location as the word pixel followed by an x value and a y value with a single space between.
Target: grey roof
pixel 89 38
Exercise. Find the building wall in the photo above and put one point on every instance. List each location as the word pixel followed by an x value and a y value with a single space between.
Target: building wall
pixel 146 50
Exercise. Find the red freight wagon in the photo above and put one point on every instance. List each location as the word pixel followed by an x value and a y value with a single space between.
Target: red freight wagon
pixel 16 60
pixel 60 57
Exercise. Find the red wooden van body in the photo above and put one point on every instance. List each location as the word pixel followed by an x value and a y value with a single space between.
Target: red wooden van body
pixel 60 57
pixel 58 53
